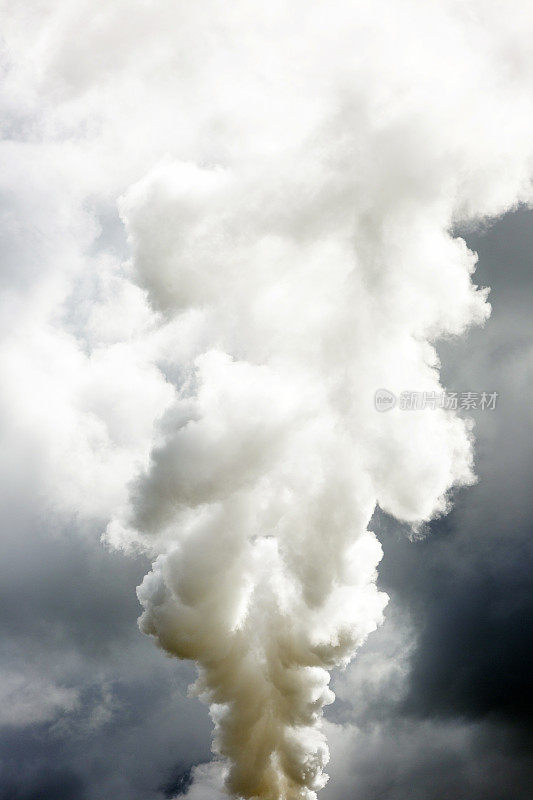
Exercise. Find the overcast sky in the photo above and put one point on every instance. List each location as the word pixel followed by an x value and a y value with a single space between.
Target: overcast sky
pixel 207 270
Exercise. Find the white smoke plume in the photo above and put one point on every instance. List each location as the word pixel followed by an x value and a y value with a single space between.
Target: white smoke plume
pixel 289 176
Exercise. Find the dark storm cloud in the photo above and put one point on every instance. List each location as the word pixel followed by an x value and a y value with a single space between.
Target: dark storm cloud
pixel 469 584
pixel 49 783
pixel 429 760
pixel 179 783
pixel 68 619
pixel 64 589
pixel 472 601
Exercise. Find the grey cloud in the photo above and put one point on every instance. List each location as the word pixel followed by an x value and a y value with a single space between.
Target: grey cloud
pixel 68 615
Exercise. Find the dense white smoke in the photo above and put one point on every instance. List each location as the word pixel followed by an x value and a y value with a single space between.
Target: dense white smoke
pixel 289 179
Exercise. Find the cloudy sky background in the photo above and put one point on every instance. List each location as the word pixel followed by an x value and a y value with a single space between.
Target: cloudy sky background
pixel 437 702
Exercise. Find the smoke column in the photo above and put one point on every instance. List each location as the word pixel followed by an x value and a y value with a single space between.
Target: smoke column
pixel 290 179
pixel 309 271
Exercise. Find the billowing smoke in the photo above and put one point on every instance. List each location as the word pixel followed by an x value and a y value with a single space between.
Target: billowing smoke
pixel 270 462
pixel 302 274
pixel 290 178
